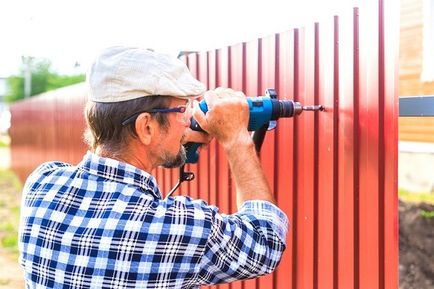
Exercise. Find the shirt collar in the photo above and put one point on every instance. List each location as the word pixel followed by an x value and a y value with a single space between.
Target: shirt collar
pixel 120 172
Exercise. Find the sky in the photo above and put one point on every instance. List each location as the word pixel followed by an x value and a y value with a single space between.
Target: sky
pixel 70 32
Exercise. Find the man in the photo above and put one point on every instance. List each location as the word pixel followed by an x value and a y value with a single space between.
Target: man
pixel 104 223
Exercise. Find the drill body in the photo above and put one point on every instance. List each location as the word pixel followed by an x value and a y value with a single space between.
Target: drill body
pixel 263 110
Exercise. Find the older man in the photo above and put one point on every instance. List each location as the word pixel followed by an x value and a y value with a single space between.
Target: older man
pixel 104 224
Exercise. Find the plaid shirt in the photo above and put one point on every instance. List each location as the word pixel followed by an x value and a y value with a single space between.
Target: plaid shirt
pixel 103 224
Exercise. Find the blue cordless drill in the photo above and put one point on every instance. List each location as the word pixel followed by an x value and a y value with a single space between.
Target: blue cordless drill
pixel 264 111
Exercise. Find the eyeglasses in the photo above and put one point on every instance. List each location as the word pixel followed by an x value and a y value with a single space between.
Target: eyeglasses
pixel 182 115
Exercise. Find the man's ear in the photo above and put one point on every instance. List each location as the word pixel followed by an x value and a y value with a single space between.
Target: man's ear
pixel 145 128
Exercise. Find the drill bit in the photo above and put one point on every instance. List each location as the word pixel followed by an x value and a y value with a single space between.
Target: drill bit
pixel 313 107
pixel 298 108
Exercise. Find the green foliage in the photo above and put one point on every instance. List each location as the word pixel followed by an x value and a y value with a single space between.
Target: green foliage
pixel 10 188
pixel 16 88
pixel 57 81
pixel 416 197
pixel 43 79
pixel 9 183
pixel 4 141
pixel 10 235
pixel 427 214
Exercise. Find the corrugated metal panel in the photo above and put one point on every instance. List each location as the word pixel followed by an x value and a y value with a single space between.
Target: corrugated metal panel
pixel 334 173
pixel 48 127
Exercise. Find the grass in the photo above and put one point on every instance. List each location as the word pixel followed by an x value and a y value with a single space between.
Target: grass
pixel 10 196
pixel 416 197
pixel 4 141
pixel 427 214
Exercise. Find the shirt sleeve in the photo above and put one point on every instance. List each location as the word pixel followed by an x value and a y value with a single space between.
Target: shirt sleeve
pixel 244 245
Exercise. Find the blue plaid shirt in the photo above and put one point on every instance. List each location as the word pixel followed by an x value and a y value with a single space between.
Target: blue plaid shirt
pixel 103 224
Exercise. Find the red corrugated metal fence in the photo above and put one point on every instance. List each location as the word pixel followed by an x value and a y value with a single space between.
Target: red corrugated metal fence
pixel 334 173
pixel 48 127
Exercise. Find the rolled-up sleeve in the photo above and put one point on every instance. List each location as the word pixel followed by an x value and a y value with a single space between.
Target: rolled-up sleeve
pixel 244 245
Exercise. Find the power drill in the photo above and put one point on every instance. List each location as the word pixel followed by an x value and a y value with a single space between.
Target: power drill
pixel 264 111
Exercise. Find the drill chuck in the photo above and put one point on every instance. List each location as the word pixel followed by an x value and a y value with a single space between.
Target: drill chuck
pixel 290 108
pixel 285 108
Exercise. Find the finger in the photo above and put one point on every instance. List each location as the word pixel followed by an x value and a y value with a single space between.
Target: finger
pixel 196 137
pixel 211 98
pixel 219 89
pixel 240 94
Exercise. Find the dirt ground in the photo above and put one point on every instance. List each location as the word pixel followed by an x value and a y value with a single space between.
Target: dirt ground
pixel 416 246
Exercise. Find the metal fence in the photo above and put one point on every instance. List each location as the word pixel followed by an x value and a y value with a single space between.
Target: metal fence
pixel 334 173
pixel 48 127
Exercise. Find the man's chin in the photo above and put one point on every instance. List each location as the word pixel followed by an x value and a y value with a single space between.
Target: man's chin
pixel 171 162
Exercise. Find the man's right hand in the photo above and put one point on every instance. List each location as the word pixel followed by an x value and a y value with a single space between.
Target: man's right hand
pixel 227 120
pixel 227 117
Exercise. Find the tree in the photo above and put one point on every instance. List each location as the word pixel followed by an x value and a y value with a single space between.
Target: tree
pixel 42 79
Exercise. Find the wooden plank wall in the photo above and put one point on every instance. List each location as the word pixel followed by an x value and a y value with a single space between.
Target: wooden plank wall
pixel 419 129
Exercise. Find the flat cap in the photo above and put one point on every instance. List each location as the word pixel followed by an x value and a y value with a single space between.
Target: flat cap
pixel 125 73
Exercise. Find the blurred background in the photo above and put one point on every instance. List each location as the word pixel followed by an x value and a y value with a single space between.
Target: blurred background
pixel 47 45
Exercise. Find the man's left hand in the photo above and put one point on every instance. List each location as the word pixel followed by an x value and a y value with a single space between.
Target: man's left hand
pixel 197 137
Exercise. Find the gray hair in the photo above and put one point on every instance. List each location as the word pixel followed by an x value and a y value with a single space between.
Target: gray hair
pixel 104 121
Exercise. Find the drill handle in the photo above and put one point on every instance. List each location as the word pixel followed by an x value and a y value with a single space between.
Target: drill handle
pixel 191 152
pixel 191 148
pixel 258 137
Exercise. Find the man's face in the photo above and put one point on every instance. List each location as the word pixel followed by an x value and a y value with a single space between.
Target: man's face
pixel 172 153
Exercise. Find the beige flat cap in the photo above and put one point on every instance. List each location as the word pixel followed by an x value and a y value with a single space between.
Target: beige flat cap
pixel 125 73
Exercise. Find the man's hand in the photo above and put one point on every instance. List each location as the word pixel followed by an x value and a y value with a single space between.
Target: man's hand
pixel 196 137
pixel 227 117
pixel 227 120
